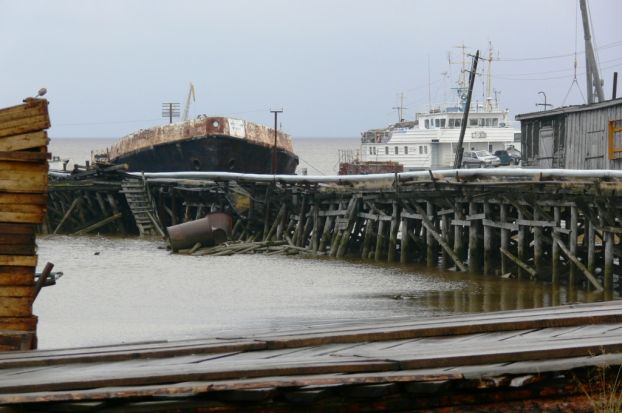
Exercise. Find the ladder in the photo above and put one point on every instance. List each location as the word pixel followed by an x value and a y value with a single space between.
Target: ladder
pixel 141 204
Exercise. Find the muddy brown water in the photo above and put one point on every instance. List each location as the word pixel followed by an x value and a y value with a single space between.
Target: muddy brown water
pixel 126 289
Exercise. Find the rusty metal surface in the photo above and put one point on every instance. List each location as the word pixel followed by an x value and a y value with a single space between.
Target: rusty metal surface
pixel 202 126
pixel 210 230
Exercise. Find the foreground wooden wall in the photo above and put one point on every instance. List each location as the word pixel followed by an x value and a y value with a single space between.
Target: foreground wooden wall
pixel 23 197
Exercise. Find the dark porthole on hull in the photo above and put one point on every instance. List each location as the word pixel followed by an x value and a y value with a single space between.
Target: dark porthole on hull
pixel 231 164
pixel 196 164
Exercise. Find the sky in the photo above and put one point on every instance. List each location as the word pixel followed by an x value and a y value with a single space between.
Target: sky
pixel 335 67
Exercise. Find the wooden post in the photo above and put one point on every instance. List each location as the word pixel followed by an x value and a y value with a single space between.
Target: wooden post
pixel 431 251
pixel 62 221
pixel 328 224
pixel 369 233
pixel 537 243
pixel 591 243
pixel 405 241
pixel 345 236
pixel 572 243
pixel 393 232
pixel 520 239
pixel 458 231
pixel 445 231
pixel 505 237
pixel 555 255
pixel 487 241
pixel 379 241
pixel 266 215
pixel 315 237
pixel 608 265
pixel 474 250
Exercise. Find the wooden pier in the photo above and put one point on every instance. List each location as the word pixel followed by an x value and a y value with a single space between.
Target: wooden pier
pixel 559 226
pixel 556 359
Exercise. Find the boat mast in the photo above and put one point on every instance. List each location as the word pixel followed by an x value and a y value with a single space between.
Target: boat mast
pixel 591 68
pixel 488 104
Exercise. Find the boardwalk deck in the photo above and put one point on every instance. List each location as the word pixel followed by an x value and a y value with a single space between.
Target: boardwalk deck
pixel 512 360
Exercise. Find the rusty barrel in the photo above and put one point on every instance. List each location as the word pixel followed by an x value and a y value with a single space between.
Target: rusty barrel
pixel 214 229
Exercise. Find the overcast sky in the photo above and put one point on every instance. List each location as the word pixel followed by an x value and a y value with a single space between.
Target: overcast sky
pixel 335 66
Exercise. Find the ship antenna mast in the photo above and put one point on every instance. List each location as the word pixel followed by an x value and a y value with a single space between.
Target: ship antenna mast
pixel 488 104
pixel 400 108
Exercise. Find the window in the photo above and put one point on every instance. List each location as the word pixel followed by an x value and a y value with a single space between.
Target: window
pixel 420 150
pixel 396 151
pixel 488 122
pixel 405 150
pixel 458 123
pixel 490 147
pixel 451 123
pixel 374 150
pixel 481 122
pixel 442 123
pixel 473 122
pixel 495 122
pixel 386 150
pixel 425 149
pixel 427 123
pixel 437 122
pixel 370 151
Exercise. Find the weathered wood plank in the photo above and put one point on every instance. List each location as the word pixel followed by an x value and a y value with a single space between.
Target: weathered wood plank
pixel 15 275
pixel 22 140
pixel 15 260
pixel 15 306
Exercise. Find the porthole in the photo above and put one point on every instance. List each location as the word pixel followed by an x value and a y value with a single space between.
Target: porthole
pixel 215 124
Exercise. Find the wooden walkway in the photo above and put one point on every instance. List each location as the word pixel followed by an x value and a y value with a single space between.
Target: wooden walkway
pixel 504 361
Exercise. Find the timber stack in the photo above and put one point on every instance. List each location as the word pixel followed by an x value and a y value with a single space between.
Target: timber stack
pixel 23 197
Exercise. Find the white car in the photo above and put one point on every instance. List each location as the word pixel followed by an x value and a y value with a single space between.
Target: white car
pixel 479 159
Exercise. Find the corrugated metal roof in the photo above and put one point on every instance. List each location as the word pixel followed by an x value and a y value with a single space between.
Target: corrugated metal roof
pixel 569 109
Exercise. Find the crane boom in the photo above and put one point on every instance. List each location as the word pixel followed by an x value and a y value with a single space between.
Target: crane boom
pixel 187 106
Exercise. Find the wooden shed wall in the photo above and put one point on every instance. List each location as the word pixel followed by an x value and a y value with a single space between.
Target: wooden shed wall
pixel 586 139
pixel 579 139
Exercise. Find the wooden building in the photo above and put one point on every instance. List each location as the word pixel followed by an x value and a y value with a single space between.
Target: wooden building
pixel 574 137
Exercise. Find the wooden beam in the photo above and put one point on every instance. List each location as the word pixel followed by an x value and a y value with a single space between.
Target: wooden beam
pixel 98 224
pixel 430 228
pixel 578 263
pixel 518 262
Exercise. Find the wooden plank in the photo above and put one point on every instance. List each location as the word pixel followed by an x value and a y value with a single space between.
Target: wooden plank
pixel 16 275
pixel 24 213
pixel 501 225
pixel 22 127
pixel 99 224
pixel 15 291
pixel 17 239
pixel 15 306
pixel 23 156
pixel 31 108
pixel 23 199
pixel 15 260
pixel 22 141
pixel 475 217
pixel 535 223
pixel 28 323
pixel 17 249
pixel 16 228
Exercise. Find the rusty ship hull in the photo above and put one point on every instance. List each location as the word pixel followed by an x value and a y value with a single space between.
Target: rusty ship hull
pixel 206 144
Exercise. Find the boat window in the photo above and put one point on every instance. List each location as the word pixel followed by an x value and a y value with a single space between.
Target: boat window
pixel 482 122
pixel 425 149
pixel 442 123
pixel 405 150
pixel 396 151
pixel 386 150
pixel 451 123
pixel 374 150
pixel 458 123
pixel 488 122
pixel 495 122
pixel 420 150
pixel 437 122
pixel 427 123
pixel 473 122
pixel 370 151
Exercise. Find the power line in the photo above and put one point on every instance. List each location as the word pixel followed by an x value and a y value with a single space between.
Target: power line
pixel 523 59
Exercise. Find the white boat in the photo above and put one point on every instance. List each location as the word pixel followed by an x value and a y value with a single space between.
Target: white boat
pixel 430 141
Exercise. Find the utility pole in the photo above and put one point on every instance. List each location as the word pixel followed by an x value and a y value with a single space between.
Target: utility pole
pixel 465 114
pixel 276 113
pixel 543 104
pixel 591 69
